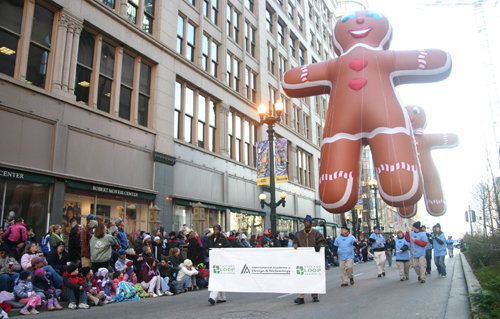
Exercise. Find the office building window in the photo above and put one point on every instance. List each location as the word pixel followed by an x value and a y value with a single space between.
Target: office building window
pixel 271 59
pixel 304 172
pixel 319 134
pixel 250 84
pixel 236 73
pixel 286 109
pixel 233 72
pixel 249 4
pixel 269 20
pixel 282 65
pixel 296 118
pixel 293 45
pixel 229 66
pixel 230 134
pixel 242 136
pixel 280 29
pixel 302 55
pixel 205 52
pixel 306 121
pixel 192 105
pixel 36 55
pixel 273 98
pixel 215 59
pixel 148 8
pixel 291 10
pixel 133 86
pixel 250 38
pixel 185 37
pixel 233 23
pixel 211 10
pixel 300 22
pixel 109 3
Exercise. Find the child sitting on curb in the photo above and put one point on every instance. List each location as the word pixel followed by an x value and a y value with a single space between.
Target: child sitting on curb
pixel 43 283
pixel 26 294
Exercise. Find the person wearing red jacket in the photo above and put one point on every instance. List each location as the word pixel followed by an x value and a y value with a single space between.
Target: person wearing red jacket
pixel 418 241
pixel 74 288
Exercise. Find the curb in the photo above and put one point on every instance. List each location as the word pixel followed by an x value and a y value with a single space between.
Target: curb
pixel 471 282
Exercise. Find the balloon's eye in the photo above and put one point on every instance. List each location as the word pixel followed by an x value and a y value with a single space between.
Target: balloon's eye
pixel 416 110
pixel 348 17
pixel 374 15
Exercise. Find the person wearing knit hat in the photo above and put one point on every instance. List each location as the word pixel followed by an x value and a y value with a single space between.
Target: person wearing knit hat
pixel 308 237
pixel 378 245
pixel 343 250
pixel 42 283
pixel 214 241
pixel 184 276
pixel 439 243
pixel 157 247
pixel 26 294
pixel 418 241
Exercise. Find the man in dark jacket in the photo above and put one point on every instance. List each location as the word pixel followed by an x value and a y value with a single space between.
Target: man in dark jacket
pixel 138 243
pixel 217 240
pixel 233 239
pixel 172 242
pixel 58 258
pixel 308 237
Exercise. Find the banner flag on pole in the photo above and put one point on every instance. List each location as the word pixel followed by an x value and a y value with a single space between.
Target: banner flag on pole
pixel 273 270
pixel 263 173
pixel 280 160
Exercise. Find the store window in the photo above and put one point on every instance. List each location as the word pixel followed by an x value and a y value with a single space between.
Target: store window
pixel 79 203
pixel 27 200
pixel 247 224
pixel 182 215
pixel 286 225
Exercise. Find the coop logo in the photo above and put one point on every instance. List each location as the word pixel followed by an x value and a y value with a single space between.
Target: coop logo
pixel 224 269
pixel 245 270
pixel 308 270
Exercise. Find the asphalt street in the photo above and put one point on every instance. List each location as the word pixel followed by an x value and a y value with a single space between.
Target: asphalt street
pixel 370 296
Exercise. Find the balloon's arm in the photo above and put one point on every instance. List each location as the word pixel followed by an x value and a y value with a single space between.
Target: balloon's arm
pixel 421 66
pixel 307 80
pixel 443 140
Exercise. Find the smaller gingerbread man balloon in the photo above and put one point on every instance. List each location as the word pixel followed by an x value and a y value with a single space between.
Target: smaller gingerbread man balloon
pixel 433 191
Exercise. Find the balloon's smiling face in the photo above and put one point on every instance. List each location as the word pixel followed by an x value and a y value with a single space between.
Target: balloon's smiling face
pixel 417 116
pixel 362 27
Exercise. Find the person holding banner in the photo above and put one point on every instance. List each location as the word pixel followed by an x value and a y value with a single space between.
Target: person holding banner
pixel 217 240
pixel 344 252
pixel 308 237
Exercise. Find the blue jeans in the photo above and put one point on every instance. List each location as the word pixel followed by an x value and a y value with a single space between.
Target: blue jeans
pixel 184 283
pixel 7 281
pixel 56 278
pixel 164 283
pixel 439 261
pixel 72 296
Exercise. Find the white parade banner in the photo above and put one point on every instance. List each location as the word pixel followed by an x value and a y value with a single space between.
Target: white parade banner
pixel 271 270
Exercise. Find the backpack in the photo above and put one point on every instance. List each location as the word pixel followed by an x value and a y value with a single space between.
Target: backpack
pixel 45 243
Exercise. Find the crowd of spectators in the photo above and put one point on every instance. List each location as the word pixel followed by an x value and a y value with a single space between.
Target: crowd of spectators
pixel 99 264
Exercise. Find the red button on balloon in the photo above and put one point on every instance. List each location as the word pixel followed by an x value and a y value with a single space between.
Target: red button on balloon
pixel 357 84
pixel 358 65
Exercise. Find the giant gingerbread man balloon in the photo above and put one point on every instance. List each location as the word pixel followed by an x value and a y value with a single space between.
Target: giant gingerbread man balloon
pixel 433 191
pixel 364 108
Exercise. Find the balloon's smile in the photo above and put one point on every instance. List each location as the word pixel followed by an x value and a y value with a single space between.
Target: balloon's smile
pixel 360 33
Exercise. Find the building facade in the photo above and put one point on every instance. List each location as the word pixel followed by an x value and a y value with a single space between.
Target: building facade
pixel 147 110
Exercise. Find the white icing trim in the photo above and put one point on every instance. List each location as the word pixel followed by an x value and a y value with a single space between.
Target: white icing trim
pixel 358 136
pixel 306 85
pixel 400 198
pixel 380 47
pixel 344 198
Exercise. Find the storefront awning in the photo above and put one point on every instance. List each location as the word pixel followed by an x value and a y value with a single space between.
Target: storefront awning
pixel 184 202
pixel 26 177
pixel 248 212
pixel 332 225
pixel 110 190
pixel 286 217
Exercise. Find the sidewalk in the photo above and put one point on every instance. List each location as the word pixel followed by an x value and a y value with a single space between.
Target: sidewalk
pixel 458 304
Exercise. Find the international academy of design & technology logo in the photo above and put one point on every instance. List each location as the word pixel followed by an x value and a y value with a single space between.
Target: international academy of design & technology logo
pixel 308 270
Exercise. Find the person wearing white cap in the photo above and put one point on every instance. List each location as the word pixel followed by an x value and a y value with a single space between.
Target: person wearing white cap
pixel 244 241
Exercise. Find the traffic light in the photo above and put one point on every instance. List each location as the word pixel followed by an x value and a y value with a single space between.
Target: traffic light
pixel 473 215
pixel 467 216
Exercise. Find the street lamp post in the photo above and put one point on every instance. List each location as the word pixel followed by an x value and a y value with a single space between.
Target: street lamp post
pixel 373 185
pixel 270 120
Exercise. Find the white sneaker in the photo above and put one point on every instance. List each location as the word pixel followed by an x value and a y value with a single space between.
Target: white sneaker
pixel 154 295
pixel 72 305
pixel 83 306
pixel 168 293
